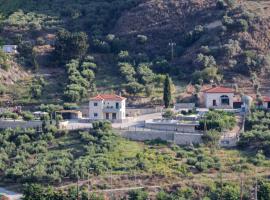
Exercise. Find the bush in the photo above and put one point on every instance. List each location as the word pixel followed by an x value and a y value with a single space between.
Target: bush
pixel 142 39
pixel 218 120
pixel 101 46
pixel 127 71
pixel 2 89
pixel 201 166
pixel 70 106
pixel 9 115
pixel 27 116
pixel 207 75
pixel 221 4
pixel 168 114
pixel 138 195
pixel 123 56
pixel 191 161
pixel 134 88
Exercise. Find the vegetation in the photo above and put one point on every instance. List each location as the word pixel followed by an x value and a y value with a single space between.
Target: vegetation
pixel 167 92
pixel 81 79
pixel 218 120
pixel 256 135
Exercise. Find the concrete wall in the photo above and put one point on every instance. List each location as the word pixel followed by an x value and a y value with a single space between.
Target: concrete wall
pixel 100 105
pixel 4 124
pixel 184 128
pixel 177 138
pixel 134 112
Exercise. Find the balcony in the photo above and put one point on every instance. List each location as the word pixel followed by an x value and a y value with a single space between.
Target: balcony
pixel 111 109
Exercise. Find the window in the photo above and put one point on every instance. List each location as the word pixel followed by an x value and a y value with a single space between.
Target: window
pixel 114 116
pixel 214 102
pixel 225 100
pixel 117 105
pixel 95 114
pixel 95 104
pixel 107 116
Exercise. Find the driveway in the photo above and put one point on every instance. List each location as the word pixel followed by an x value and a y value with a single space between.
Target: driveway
pixel 137 121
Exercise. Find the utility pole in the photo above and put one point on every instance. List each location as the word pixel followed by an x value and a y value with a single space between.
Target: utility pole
pixel 88 181
pixel 221 185
pixel 256 185
pixel 241 188
pixel 78 186
pixel 172 45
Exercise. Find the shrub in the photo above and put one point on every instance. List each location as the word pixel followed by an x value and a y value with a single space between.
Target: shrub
pixel 221 4
pixel 123 56
pixel 142 39
pixel 27 116
pixel 2 89
pixel 9 115
pixel 101 46
pixel 70 106
pixel 134 88
pixel 193 36
pixel 203 61
pixel 201 166
pixel 191 161
pixel 242 25
pixel 208 74
pixel 168 114
pixel 138 195
pixel 127 71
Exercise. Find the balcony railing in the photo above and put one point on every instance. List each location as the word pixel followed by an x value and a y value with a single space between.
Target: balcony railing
pixel 111 109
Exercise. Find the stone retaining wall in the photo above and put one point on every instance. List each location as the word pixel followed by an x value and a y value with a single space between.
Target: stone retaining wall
pixel 4 124
pixel 177 138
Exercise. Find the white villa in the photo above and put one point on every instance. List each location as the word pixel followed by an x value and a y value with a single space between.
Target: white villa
pixel 107 107
pixel 219 97
pixel 10 49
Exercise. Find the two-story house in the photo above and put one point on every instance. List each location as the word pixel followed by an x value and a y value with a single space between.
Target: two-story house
pixel 107 107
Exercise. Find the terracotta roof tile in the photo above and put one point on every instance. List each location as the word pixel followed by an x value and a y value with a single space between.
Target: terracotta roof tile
pixel 110 97
pixel 266 99
pixel 219 89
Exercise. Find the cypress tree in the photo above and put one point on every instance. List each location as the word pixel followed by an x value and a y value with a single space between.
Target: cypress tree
pixel 167 92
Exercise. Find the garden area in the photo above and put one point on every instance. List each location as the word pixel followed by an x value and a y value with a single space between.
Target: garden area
pixel 59 158
pixel 257 135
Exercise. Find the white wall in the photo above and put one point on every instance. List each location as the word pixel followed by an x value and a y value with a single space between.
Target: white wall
pixel 177 138
pixel 120 113
pixel 210 97
pixel 96 109
pixel 265 105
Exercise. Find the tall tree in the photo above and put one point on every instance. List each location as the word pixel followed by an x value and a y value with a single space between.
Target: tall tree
pixel 167 92
pixel 70 45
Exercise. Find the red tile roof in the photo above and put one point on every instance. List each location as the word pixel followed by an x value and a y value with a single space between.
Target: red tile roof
pixel 219 89
pixel 266 99
pixel 110 97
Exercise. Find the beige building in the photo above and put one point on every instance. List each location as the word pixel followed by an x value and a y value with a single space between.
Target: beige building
pixel 107 107
pixel 266 102
pixel 219 97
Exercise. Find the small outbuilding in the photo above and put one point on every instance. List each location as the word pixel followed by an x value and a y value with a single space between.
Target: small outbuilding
pixel 219 97
pixel 10 49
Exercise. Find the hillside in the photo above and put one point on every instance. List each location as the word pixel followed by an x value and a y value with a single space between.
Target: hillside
pixel 210 40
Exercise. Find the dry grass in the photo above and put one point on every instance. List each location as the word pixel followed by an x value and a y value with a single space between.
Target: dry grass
pixel 259 7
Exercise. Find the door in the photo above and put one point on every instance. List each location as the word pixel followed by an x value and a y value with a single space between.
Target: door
pixel 107 115
pixel 214 102
pixel 114 116
pixel 268 105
